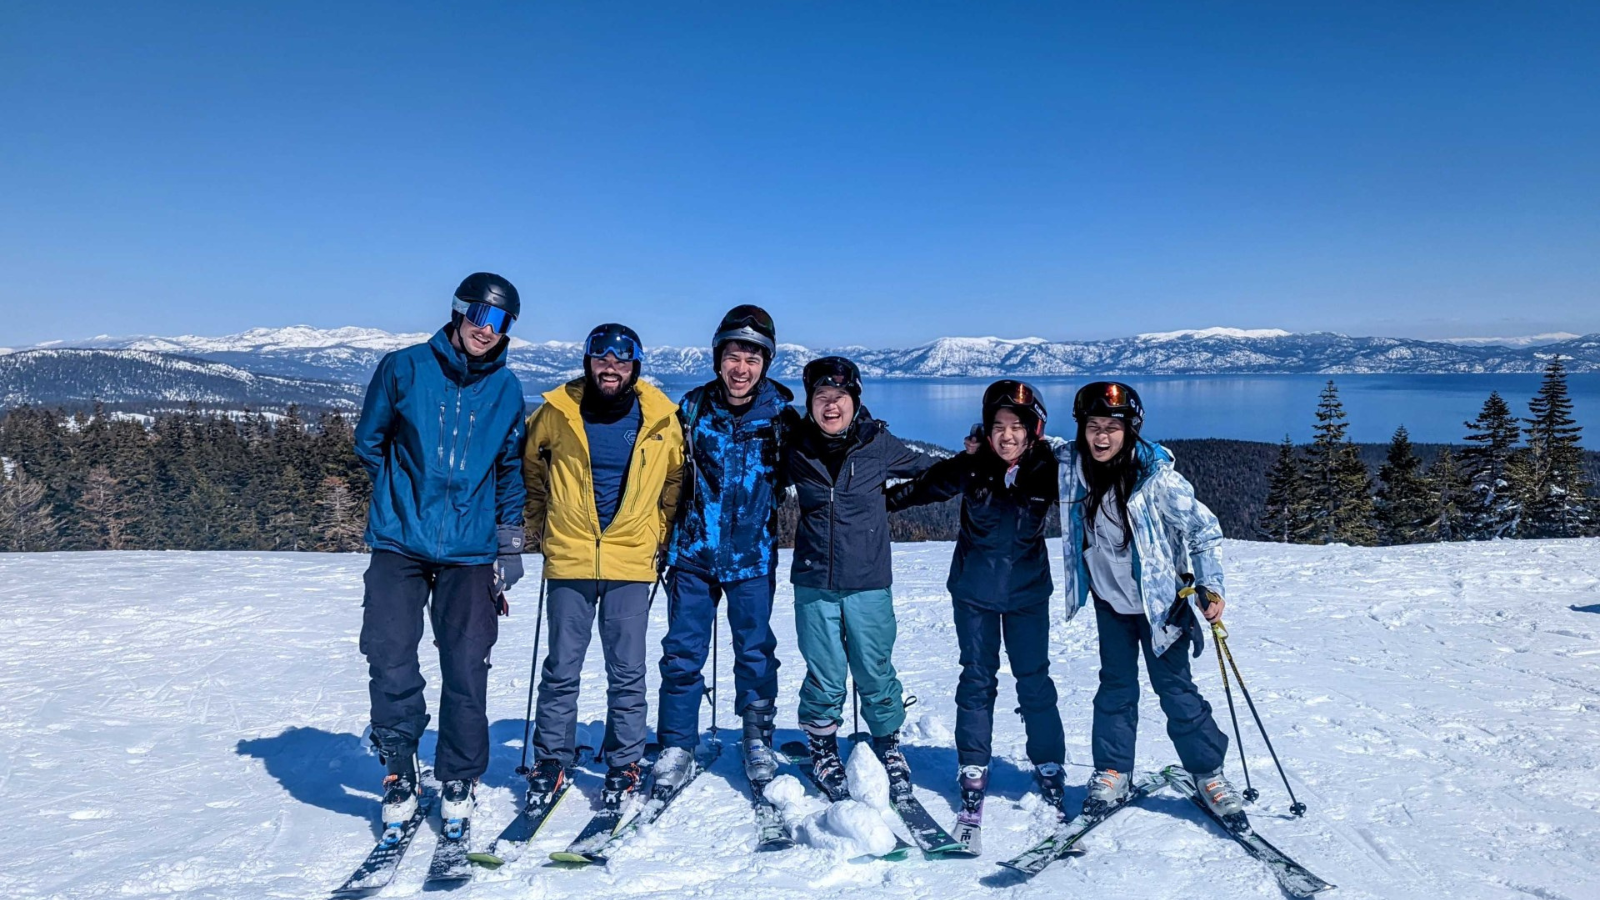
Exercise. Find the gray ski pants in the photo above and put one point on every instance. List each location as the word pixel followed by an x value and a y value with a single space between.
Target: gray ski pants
pixel 570 608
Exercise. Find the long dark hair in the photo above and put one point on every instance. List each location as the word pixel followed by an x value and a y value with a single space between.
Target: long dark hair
pixel 1119 475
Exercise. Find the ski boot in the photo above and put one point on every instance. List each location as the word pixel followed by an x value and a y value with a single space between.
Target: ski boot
pixel 1108 789
pixel 402 786
pixel 1222 798
pixel 621 784
pixel 887 749
pixel 1052 782
pixel 760 762
pixel 673 769
pixel 546 777
pixel 974 782
pixel 458 798
pixel 827 769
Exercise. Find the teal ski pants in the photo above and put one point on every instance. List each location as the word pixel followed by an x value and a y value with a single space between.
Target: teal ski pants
pixel 848 633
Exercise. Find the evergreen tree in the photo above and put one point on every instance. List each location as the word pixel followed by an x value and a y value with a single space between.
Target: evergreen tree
pixel 104 513
pixel 1492 510
pixel 1450 498
pixel 1403 503
pixel 25 519
pixel 1287 515
pixel 341 524
pixel 1558 501
pixel 1339 486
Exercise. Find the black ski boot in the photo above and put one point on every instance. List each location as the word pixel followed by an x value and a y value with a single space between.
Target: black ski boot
pixel 827 768
pixel 1052 781
pixel 621 784
pixel 402 786
pixel 546 777
pixel 760 761
pixel 887 749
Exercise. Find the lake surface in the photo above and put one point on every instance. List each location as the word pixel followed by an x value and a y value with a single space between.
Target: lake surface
pixel 1242 407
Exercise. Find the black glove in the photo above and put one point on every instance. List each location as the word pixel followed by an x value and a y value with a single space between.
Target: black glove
pixel 508 566
pixel 894 498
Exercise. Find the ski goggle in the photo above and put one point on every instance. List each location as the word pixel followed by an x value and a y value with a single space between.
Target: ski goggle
pixel 749 317
pixel 485 315
pixel 1009 392
pixel 834 372
pixel 613 343
pixel 1111 399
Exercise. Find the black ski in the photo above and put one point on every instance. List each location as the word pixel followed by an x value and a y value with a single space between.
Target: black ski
pixel 536 810
pixel 925 830
pixel 450 864
pixel 1293 877
pixel 611 828
pixel 1064 840
pixel 380 866
pixel 800 754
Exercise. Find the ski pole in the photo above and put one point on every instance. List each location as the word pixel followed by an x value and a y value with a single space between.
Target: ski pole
pixel 1219 634
pixel 1296 807
pixel 533 674
pixel 712 693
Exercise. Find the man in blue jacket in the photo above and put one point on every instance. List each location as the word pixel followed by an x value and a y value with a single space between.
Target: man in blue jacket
pixel 725 546
pixel 441 436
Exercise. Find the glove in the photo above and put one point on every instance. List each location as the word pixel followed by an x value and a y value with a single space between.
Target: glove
pixel 508 566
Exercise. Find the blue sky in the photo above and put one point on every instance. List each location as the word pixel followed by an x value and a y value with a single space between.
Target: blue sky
pixel 872 172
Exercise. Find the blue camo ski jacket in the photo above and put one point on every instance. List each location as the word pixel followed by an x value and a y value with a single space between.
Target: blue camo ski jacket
pixel 727 526
pixel 1173 535
pixel 441 437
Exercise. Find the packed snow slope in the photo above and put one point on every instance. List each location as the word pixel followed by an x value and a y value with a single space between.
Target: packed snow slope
pixel 189 725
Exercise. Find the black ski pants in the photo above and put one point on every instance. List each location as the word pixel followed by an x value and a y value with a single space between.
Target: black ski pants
pixel 465 626
pixel 1201 745
pixel 1026 635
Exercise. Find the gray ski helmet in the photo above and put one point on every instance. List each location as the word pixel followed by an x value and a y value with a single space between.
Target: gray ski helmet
pixel 490 289
pixel 748 324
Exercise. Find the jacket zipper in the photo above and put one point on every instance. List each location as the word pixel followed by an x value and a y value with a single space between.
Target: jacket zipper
pixel 472 419
pixel 449 480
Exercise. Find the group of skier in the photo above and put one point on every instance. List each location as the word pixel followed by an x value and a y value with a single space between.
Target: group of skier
pixel 618 487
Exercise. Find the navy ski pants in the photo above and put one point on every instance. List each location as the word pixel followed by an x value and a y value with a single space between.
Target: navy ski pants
pixel 692 607
pixel 464 624
pixel 1201 745
pixel 1026 635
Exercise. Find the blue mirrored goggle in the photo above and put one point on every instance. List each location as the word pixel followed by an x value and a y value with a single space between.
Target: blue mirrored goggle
pixel 484 315
pixel 624 348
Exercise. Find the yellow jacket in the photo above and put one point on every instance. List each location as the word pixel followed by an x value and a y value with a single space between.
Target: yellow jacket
pixel 561 517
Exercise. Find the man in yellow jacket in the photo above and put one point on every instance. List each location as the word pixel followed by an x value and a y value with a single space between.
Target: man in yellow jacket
pixel 603 468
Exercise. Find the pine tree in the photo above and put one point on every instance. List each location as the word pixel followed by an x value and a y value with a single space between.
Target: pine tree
pixel 1492 510
pixel 1339 486
pixel 1403 503
pixel 25 519
pixel 341 522
pixel 1286 517
pixel 104 514
pixel 1450 496
pixel 1558 501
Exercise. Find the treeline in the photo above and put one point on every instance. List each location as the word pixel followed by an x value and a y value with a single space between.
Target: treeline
pixel 1515 478
pixel 187 481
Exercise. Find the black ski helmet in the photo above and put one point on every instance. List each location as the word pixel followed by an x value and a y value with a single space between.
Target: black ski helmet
pixel 489 288
pixel 749 324
pixel 1110 399
pixel 618 340
pixel 834 372
pixel 1019 397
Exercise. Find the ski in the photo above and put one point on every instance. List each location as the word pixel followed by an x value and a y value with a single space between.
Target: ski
pixel 536 810
pixel 383 862
pixel 926 832
pixel 970 836
pixel 611 828
pixel 799 754
pixel 1065 838
pixel 1293 877
pixel 772 832
pixel 450 864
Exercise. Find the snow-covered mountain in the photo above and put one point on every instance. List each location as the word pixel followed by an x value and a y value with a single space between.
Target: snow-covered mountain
pixel 349 355
pixel 1530 340
pixel 149 381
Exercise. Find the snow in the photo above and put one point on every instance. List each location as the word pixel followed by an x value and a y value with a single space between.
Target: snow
pixel 1530 340
pixel 1198 334
pixel 189 724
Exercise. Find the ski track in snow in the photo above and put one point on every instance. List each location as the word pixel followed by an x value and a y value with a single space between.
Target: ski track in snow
pixel 188 724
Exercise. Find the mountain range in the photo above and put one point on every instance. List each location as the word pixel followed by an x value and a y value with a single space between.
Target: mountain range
pixel 270 368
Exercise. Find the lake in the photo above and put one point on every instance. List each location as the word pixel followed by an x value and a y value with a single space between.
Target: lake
pixel 1242 407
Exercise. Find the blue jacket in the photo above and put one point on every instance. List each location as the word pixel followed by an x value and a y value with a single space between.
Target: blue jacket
pixel 728 525
pixel 442 440
pixel 1173 535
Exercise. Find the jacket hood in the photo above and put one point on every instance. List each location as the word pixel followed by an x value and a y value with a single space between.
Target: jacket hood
pixel 461 368
pixel 654 406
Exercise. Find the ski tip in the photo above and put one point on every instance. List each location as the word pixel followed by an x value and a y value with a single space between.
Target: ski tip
pixel 487 860
pixel 576 859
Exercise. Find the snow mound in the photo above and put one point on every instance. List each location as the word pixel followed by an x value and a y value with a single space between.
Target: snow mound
pixel 869 783
pixel 849 829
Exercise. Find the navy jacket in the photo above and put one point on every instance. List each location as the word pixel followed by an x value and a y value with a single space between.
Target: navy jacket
pixel 1001 561
pixel 442 440
pixel 841 542
pixel 728 523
